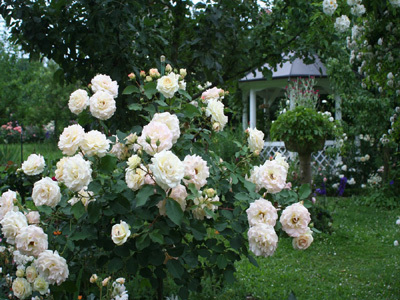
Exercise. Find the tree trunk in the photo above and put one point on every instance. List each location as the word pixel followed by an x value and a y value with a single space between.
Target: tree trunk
pixel 305 168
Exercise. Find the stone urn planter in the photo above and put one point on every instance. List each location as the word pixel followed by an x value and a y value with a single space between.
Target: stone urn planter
pixel 305 150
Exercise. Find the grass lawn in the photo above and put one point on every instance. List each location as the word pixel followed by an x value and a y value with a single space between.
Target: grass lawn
pixel 358 261
pixel 12 152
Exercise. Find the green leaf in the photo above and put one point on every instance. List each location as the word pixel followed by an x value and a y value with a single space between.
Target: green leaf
pixel 45 209
pixel 161 103
pixel 157 237
pixel 94 212
pixel 253 260
pixel 135 106
pixel 143 195
pixel 186 94
pixel 95 186
pixel 115 264
pixel 242 196
pixel 130 89
pixel 304 191
pixel 190 111
pixel 88 234
pixel 78 209
pixel 150 89
pixel 107 163
pixel 222 262
pixel 175 268
pixel 174 211
pixel 142 241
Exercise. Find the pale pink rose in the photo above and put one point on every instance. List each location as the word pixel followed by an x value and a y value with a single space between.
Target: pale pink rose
pixel 262 211
pixel 196 170
pixel 120 233
pixel 171 121
pixel 155 133
pixel 154 73
pixel 135 178
pixel 263 239
pixel 295 219
pixel 31 241
pixel 303 241
pixel 33 217
pixel 179 194
pixel 288 186
pixel 212 94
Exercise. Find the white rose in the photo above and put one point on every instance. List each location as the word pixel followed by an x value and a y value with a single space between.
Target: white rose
pixel 168 85
pixel 21 259
pixel 262 211
pixel 31 273
pixel 70 139
pixel 133 161
pixel 12 224
pixel 179 194
pixel 95 143
pixel 21 288
pixel 7 201
pixel 196 170
pixel 167 169
pixel 255 139
pixel 172 123
pixel 281 160
pixel 201 203
pixel 135 178
pixel 34 165
pixel 271 176
pixel 295 219
pixel 84 196
pixel 329 7
pixel 31 241
pixel 52 267
pixel 77 173
pixel 104 83
pixel 41 285
pixel 159 136
pixel 46 192
pixel 263 240
pixel 215 109
pixel 60 169
pixel 303 241
pixel 78 101
pixel 102 105
pixel 120 233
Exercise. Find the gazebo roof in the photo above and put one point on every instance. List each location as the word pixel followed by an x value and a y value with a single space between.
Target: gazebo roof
pixel 296 68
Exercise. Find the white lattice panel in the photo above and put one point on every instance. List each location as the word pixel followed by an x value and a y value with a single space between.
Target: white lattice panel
pixel 320 158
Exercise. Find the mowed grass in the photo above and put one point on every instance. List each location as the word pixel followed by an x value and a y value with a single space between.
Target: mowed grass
pixel 357 261
pixel 12 152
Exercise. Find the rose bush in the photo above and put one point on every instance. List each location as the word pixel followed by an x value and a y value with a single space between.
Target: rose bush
pixel 157 204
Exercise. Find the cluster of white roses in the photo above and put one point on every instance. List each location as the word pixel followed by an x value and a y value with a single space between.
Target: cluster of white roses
pixel 262 216
pixel 116 290
pixel 101 104
pixel 271 175
pixel 215 108
pixel 329 7
pixel 31 243
pixel 342 23
pixel 357 8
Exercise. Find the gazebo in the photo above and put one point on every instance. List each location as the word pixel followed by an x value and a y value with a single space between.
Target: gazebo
pixel 258 92
pixel 256 88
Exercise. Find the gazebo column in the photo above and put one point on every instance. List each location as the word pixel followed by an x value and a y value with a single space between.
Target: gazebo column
pixel 253 111
pixel 338 107
pixel 245 115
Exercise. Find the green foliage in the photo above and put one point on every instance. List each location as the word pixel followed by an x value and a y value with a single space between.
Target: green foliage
pixel 303 128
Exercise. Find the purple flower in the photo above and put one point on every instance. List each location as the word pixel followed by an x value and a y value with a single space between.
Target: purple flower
pixel 342 186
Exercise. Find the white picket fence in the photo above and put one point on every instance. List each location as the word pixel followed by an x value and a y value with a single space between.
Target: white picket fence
pixel 320 158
